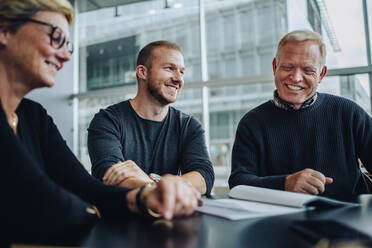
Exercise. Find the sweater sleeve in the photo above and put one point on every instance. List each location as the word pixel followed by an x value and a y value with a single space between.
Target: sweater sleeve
pixel 194 153
pixel 104 144
pixel 247 158
pixel 35 208
pixel 363 135
pixel 64 168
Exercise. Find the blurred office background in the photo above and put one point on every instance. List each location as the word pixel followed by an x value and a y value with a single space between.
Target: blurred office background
pixel 228 49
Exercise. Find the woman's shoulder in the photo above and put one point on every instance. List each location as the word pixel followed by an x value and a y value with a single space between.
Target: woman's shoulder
pixel 30 105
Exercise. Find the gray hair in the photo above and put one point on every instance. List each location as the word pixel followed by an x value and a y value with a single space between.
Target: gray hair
pixel 304 35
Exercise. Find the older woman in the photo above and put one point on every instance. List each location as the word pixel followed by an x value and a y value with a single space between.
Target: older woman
pixel 45 190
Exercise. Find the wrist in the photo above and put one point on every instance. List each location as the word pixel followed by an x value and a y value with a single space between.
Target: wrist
pixel 288 183
pixel 141 200
pixel 133 183
pixel 155 177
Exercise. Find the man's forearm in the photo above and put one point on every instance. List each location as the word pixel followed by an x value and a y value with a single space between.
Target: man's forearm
pixel 197 180
pixel 132 183
pixel 194 177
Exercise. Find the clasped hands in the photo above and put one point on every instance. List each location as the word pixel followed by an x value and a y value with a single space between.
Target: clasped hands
pixel 307 181
pixel 172 196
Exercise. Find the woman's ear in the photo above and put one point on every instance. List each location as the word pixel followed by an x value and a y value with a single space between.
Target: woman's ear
pixel 4 33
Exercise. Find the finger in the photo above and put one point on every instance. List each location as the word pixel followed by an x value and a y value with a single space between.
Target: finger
pixel 183 200
pixel 328 180
pixel 191 202
pixel 115 174
pixel 300 190
pixel 133 170
pixel 107 173
pixel 122 173
pixel 168 197
pixel 318 175
pixel 196 193
pixel 315 182
pixel 131 164
pixel 309 189
pixel 109 178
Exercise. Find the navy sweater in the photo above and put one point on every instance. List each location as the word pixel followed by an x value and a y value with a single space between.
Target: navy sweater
pixel 328 136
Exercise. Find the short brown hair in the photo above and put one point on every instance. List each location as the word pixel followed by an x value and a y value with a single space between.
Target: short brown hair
pixel 11 10
pixel 304 35
pixel 145 56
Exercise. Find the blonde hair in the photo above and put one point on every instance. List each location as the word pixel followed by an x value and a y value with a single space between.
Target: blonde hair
pixel 21 9
pixel 303 35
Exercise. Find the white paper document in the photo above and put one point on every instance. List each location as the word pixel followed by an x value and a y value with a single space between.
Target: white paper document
pixel 254 202
pixel 234 209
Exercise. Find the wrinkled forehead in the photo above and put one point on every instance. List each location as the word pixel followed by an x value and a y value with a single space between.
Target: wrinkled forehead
pixel 306 50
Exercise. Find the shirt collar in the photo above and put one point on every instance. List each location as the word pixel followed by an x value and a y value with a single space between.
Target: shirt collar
pixel 280 103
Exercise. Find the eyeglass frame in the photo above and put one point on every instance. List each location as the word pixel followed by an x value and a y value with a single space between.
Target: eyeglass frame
pixel 54 28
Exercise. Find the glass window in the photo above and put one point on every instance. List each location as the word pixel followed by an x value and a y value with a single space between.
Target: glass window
pixel 346 18
pixel 227 105
pixel 342 28
pixel 353 87
pixel 229 31
pixel 247 26
pixel 241 38
pixel 189 101
pixel 109 41
pixel 247 50
pixel 369 14
pixel 109 44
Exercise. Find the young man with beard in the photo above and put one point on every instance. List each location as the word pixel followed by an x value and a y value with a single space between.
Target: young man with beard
pixel 134 142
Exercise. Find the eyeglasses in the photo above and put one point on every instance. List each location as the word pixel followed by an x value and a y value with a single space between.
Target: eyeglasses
pixel 57 36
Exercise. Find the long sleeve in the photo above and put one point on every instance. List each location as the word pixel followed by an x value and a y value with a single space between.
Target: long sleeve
pixel 247 158
pixel 64 168
pixel 35 208
pixel 194 153
pixel 363 134
pixel 104 144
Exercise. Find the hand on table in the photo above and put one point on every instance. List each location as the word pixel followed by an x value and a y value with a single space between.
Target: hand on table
pixel 307 181
pixel 171 197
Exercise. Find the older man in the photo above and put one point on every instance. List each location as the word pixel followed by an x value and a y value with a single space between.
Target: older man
pixel 302 140
pixel 134 142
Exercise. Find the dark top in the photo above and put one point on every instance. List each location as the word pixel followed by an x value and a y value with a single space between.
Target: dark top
pixel 45 189
pixel 329 136
pixel 174 145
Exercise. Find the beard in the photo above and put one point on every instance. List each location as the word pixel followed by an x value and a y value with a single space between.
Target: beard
pixel 155 92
